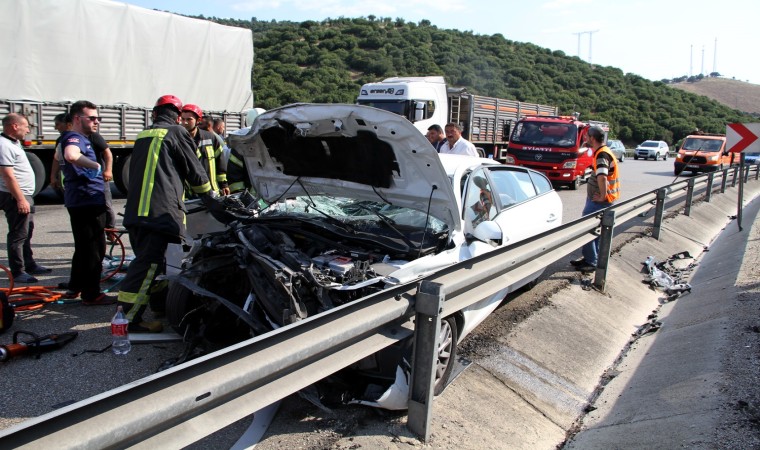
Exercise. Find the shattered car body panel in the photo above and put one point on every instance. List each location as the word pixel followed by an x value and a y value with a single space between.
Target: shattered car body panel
pixel 357 200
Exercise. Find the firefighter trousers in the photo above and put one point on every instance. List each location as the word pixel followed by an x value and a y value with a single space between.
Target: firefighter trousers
pixel 140 287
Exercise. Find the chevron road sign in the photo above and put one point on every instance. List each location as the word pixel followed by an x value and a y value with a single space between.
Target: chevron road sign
pixel 743 137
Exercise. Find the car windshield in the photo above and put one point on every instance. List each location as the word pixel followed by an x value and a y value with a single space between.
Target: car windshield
pixel 650 144
pixel 545 134
pixel 359 216
pixel 703 144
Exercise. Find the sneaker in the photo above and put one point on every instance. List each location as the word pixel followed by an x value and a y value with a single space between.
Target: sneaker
pixel 585 267
pixel 24 277
pixel 145 327
pixel 101 299
pixel 39 270
pixel 578 262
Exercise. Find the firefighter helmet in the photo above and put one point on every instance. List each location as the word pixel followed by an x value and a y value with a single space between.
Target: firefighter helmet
pixel 169 100
pixel 195 109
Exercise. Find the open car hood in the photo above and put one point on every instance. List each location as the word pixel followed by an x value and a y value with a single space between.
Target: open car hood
pixel 346 151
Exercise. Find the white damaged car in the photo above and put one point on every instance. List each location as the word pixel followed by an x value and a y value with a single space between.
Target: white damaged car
pixel 351 200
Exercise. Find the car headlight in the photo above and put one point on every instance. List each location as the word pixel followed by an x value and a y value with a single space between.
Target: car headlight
pixel 714 158
pixel 569 165
pixel 679 157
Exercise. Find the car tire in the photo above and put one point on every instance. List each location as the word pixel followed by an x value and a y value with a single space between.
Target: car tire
pixel 575 184
pixel 635 158
pixel 446 353
pixel 622 157
pixel 179 301
pixel 665 157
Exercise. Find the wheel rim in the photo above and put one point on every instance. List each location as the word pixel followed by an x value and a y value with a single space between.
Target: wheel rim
pixel 445 349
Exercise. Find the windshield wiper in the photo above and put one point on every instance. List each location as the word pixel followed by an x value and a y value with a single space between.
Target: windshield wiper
pixel 388 222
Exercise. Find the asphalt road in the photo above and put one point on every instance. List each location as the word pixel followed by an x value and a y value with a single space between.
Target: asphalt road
pixel 80 370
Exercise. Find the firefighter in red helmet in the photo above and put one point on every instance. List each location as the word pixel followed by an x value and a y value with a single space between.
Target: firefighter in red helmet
pixel 163 162
pixel 207 148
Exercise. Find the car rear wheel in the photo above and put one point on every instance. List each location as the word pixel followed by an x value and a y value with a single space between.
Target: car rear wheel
pixel 179 301
pixel 447 349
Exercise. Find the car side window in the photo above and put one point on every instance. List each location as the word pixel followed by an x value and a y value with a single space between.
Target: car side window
pixel 513 186
pixel 542 184
pixel 479 200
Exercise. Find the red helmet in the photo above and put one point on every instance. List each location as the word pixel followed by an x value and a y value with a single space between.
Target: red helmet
pixel 195 109
pixel 170 100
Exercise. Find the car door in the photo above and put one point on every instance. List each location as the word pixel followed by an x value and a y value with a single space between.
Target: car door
pixel 524 202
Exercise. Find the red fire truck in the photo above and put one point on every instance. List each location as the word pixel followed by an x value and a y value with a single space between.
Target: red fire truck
pixel 554 145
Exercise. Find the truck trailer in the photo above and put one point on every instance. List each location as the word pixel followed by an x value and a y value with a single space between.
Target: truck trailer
pixel 426 101
pixel 122 58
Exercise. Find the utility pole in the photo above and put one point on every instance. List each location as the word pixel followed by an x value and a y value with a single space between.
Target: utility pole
pixel 703 60
pixel 715 57
pixel 589 42
pixel 691 60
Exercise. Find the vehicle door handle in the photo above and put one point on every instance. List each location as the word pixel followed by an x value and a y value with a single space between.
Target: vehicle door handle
pixel 552 218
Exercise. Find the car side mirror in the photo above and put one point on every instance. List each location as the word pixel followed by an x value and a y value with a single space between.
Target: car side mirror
pixel 419 111
pixel 488 231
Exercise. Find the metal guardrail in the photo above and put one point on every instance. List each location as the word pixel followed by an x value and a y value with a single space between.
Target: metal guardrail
pixel 179 406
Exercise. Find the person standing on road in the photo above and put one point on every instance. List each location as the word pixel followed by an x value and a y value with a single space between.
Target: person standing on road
pixel 85 201
pixel 163 160
pixel 602 191
pixel 455 143
pixel 16 190
pixel 435 136
pixel 208 150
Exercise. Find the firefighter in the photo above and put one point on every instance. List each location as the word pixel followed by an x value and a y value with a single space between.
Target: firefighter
pixel 163 162
pixel 208 150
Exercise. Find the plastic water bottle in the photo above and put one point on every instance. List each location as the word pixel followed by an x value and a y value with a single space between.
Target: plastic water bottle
pixel 121 344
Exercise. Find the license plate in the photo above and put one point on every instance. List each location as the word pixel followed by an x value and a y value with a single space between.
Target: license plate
pixel 692 166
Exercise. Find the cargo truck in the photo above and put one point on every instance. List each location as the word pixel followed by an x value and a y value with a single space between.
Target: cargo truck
pixel 122 58
pixel 425 101
pixel 553 145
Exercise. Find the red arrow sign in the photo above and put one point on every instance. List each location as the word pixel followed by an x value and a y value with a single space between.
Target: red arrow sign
pixel 747 136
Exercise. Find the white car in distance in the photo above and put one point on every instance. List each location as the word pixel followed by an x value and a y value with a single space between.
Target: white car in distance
pixel 358 201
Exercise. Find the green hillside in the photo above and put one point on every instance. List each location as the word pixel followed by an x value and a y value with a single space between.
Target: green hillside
pixel 327 62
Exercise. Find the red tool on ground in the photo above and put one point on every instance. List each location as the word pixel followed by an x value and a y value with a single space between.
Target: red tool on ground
pixel 35 345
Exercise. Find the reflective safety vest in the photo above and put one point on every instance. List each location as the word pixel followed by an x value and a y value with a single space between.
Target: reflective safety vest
pixel 613 181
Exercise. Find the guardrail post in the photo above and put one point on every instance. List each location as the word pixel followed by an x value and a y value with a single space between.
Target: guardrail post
pixel 658 211
pixel 746 174
pixel 689 197
pixel 605 248
pixel 723 181
pixel 757 172
pixel 428 305
pixel 708 193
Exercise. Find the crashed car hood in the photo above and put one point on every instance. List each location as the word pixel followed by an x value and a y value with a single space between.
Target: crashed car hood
pixel 346 151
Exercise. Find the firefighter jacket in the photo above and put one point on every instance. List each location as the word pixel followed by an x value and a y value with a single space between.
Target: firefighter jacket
pixel 209 153
pixel 237 173
pixel 613 180
pixel 162 160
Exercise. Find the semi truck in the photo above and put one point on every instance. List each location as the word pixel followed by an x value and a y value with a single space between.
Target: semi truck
pixel 554 145
pixel 122 58
pixel 425 101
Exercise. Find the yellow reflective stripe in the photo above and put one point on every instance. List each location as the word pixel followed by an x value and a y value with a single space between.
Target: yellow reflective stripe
pixel 235 160
pixel 142 296
pixel 238 186
pixel 221 178
pixel 202 189
pixel 151 163
pixel 211 167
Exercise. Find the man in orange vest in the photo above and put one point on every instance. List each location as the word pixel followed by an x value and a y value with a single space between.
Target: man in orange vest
pixel 603 188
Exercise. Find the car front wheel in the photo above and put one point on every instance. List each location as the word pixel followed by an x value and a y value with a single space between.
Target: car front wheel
pixel 447 350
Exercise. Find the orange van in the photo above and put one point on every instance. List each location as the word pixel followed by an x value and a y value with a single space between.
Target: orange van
pixel 703 153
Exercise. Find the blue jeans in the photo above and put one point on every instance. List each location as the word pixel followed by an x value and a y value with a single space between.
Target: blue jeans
pixel 591 250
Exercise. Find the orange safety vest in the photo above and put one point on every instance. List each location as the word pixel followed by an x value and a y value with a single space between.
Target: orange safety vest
pixel 613 183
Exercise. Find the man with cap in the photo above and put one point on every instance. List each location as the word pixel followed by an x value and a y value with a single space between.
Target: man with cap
pixel 603 188
pixel 208 150
pixel 163 162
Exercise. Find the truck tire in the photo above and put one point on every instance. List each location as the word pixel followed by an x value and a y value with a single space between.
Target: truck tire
pixel 575 184
pixel 121 173
pixel 40 177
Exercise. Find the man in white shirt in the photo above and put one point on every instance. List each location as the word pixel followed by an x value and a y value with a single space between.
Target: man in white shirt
pixel 455 143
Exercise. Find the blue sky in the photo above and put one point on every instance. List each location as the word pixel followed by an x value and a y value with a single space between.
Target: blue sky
pixel 653 38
